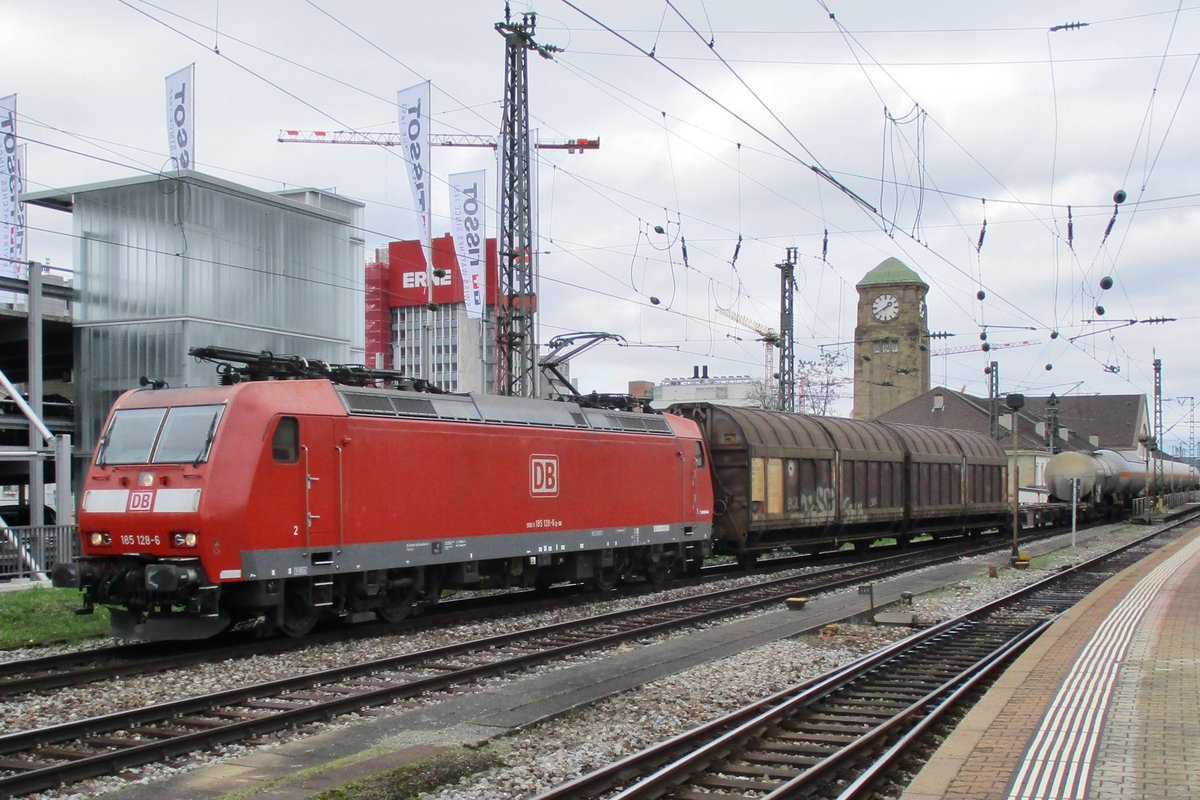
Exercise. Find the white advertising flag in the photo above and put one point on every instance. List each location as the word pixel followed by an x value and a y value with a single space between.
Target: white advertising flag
pixel 181 104
pixel 12 184
pixel 413 103
pixel 470 237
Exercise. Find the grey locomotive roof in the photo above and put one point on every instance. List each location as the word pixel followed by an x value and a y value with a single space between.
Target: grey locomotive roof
pixel 495 409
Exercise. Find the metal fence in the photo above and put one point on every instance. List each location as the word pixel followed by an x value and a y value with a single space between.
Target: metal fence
pixel 31 551
pixel 1147 507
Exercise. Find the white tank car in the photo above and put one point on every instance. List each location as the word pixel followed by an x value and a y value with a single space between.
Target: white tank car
pixel 1109 476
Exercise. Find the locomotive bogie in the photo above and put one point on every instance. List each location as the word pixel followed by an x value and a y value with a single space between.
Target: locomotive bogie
pixel 300 499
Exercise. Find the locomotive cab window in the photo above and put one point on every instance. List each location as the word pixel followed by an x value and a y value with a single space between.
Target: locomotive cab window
pixel 187 434
pixel 159 435
pixel 285 444
pixel 130 436
pixel 699 456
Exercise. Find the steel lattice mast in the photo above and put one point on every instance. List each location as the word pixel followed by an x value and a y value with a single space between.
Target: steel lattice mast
pixel 787 320
pixel 516 334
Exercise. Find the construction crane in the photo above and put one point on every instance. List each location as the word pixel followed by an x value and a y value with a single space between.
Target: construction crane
pixel 395 139
pixel 767 336
pixel 972 348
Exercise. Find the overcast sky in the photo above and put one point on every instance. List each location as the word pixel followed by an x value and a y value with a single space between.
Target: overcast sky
pixel 929 118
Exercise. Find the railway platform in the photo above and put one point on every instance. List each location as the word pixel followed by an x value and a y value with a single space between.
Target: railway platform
pixel 1105 705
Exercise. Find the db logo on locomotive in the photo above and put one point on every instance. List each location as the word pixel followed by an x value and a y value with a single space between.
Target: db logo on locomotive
pixel 543 475
pixel 141 500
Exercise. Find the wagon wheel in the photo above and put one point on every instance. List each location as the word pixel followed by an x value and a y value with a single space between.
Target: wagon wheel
pixel 746 560
pixel 397 604
pixel 299 616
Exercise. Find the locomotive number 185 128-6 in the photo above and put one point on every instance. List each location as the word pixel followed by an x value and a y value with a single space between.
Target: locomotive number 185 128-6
pixel 140 539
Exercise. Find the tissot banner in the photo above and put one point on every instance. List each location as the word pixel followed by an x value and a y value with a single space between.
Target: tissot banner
pixel 12 184
pixel 466 224
pixel 413 103
pixel 181 128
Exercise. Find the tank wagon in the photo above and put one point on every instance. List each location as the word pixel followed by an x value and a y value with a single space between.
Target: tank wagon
pixel 809 482
pixel 1110 479
pixel 287 500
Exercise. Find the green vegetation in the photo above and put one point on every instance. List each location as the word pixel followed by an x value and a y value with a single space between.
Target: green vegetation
pixel 412 780
pixel 39 615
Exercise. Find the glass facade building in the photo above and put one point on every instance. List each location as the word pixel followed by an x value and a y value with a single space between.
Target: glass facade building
pixel 180 260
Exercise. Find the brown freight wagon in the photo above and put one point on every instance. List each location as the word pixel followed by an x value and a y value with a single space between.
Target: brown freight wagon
pixel 811 482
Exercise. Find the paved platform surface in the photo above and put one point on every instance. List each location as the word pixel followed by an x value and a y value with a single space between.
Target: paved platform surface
pixel 1105 705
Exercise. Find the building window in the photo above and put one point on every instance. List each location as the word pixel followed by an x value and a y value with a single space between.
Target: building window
pixel 442 322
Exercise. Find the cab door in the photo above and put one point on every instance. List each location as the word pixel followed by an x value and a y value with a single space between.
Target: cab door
pixel 321 475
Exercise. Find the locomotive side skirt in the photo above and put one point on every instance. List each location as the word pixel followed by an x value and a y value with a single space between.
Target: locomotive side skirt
pixel 297 562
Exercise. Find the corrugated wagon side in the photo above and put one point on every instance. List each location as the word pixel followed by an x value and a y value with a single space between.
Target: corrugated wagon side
pixel 795 480
pixel 954 479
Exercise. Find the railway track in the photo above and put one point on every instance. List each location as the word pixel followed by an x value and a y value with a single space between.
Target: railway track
pixel 126 660
pixel 42 758
pixel 842 735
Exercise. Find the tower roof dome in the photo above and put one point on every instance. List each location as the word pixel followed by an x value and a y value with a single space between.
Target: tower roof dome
pixel 891 271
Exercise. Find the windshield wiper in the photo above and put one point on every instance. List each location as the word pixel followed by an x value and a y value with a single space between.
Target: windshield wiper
pixel 212 432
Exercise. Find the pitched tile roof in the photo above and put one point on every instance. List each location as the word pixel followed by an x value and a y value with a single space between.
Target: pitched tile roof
pixel 1114 419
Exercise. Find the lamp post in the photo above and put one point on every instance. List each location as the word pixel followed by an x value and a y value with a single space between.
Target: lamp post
pixel 1015 403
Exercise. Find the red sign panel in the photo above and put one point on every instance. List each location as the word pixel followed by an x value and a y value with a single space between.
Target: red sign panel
pixel 409 281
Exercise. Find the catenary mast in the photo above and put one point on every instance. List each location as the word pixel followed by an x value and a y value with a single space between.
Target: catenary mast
pixel 516 333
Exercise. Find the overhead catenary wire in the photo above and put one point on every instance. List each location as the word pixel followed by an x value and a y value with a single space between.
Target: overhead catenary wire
pixel 702 261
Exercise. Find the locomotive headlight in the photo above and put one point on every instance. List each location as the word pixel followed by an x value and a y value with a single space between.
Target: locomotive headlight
pixel 100 538
pixel 145 478
pixel 184 539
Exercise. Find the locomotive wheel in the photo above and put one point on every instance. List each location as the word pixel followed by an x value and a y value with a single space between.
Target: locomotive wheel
pixel 660 572
pixel 606 579
pixel 298 617
pixel 397 605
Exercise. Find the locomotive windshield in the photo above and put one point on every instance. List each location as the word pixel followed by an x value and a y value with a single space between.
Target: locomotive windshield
pixel 159 435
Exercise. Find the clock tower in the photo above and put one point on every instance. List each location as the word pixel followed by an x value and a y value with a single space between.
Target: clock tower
pixel 891 339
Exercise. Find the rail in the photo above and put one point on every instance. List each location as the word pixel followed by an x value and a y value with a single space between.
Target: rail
pixel 29 552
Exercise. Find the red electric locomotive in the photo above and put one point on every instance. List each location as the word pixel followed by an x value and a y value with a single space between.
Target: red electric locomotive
pixel 287 500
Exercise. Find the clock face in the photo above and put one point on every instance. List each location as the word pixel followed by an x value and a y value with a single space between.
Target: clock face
pixel 885 308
